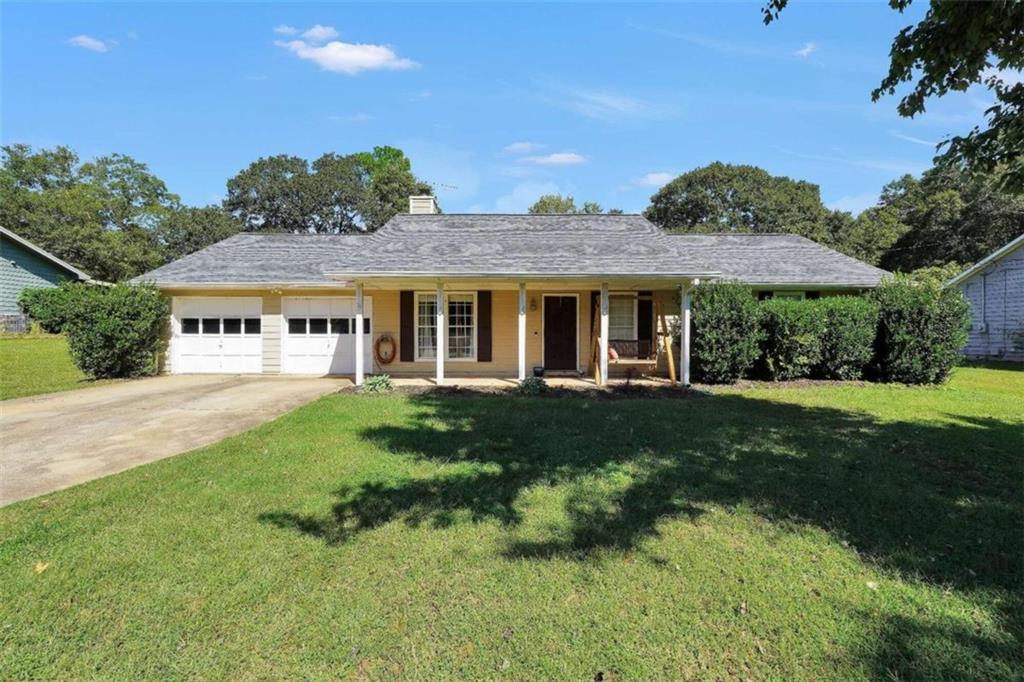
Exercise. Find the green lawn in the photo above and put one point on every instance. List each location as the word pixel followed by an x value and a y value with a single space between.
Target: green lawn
pixel 30 365
pixel 871 532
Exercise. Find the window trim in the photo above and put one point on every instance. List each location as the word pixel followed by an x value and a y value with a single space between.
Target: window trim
pixel 221 332
pixel 789 295
pixel 417 296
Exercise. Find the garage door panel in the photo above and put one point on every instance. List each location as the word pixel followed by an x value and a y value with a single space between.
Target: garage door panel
pixel 211 346
pixel 306 351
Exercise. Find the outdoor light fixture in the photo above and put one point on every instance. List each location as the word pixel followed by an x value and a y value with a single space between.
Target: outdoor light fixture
pixel 533 304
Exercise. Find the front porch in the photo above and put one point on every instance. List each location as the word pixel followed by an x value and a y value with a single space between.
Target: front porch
pixel 581 383
pixel 498 332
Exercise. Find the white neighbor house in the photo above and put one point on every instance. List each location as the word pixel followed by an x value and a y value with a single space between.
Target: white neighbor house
pixel 995 288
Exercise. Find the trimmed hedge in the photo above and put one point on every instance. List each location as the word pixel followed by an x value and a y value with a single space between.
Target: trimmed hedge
pixel 116 331
pixel 848 338
pixel 922 328
pixel 52 306
pixel 725 331
pixel 792 341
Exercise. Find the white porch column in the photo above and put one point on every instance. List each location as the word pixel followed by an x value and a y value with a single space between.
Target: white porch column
pixel 684 329
pixel 522 331
pixel 360 370
pixel 442 327
pixel 603 339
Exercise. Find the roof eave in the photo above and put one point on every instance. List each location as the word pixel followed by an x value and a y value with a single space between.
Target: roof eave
pixel 405 274
pixel 240 285
pixel 45 254
pixel 991 258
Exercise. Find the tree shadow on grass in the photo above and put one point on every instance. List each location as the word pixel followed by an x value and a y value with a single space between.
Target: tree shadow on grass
pixel 939 501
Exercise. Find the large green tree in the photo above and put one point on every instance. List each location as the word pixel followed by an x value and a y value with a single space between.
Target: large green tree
pixel 957 45
pixel 951 216
pixel 729 198
pixel 556 203
pixel 334 194
pixel 390 184
pixel 872 233
pixel 190 229
pixel 98 215
pixel 271 195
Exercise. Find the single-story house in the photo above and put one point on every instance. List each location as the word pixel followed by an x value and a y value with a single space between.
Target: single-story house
pixel 995 288
pixel 23 265
pixel 500 295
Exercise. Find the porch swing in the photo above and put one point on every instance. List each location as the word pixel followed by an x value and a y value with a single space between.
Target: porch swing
pixel 633 357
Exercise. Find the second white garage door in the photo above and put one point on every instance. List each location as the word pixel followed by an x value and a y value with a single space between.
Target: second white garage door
pixel 319 335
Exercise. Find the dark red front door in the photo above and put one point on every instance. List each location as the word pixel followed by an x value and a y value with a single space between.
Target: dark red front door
pixel 560 333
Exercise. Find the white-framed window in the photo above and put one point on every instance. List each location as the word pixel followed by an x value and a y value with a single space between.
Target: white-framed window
pixel 622 317
pixel 426 326
pixel 461 318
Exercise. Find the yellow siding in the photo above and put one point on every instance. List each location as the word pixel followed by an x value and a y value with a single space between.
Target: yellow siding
pixel 271 333
pixel 504 325
pixel 504 335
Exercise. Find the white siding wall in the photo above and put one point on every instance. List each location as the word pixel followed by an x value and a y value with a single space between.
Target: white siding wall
pixel 997 310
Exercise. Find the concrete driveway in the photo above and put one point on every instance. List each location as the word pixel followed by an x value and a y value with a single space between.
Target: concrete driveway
pixel 54 441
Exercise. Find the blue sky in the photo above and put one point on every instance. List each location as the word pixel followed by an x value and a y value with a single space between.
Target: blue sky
pixel 494 104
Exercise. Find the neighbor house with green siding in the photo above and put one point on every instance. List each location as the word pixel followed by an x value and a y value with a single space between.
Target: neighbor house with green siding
pixel 23 265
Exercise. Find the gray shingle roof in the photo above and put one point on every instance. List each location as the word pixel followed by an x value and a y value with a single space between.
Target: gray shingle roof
pixel 778 259
pixel 534 245
pixel 511 245
pixel 249 258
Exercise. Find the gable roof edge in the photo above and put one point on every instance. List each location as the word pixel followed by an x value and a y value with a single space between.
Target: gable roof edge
pixel 991 258
pixel 45 254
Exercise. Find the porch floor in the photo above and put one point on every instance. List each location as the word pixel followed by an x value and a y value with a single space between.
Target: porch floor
pixel 495 382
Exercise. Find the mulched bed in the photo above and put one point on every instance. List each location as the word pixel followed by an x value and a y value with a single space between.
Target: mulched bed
pixel 618 391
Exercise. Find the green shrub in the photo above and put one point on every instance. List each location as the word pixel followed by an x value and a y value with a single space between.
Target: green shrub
pixel 532 386
pixel 378 383
pixel 791 345
pixel 725 331
pixel 921 329
pixel 848 337
pixel 117 331
pixel 50 307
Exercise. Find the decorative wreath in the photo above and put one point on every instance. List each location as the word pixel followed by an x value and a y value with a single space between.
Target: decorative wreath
pixel 384 349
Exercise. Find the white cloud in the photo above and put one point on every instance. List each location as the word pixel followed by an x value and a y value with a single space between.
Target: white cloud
pixel 89 43
pixel 132 35
pixel 654 179
pixel 347 58
pixel 806 50
pixel 606 106
pixel 320 33
pixel 915 140
pixel 711 42
pixel 895 166
pixel 524 195
pixel 285 30
pixel 522 147
pixel 556 159
pixel 358 117
pixel 855 203
pixel 421 95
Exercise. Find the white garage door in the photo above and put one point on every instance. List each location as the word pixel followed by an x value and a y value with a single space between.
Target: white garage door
pixel 217 335
pixel 319 335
